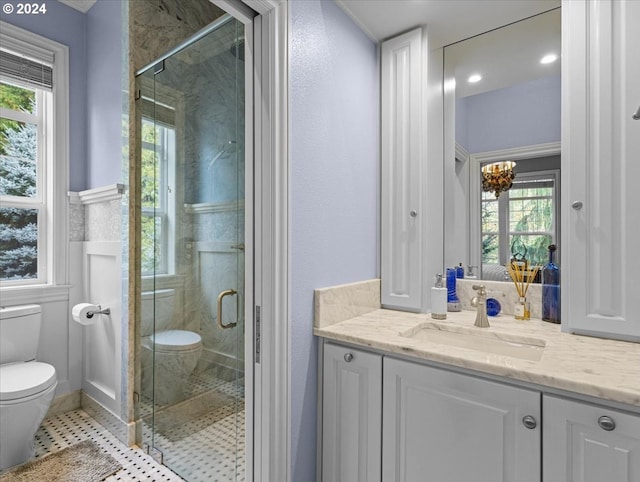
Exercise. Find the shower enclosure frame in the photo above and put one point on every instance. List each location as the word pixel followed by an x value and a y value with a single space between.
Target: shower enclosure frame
pixel 268 444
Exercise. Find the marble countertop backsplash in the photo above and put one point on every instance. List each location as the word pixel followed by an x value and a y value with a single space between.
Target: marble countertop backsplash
pixel 606 369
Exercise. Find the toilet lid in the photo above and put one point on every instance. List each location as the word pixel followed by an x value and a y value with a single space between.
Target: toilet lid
pixel 176 340
pixel 19 380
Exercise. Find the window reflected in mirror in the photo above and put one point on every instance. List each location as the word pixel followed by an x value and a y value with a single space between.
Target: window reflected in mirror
pixel 520 224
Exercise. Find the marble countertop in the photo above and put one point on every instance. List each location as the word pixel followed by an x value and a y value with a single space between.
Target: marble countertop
pixel 606 369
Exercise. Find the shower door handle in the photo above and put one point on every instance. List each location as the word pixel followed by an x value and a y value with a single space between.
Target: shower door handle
pixel 220 298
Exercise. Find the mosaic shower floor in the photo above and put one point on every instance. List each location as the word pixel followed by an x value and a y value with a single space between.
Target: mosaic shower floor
pixel 203 445
pixel 202 438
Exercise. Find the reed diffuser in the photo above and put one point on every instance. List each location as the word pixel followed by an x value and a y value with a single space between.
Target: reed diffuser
pixel 522 275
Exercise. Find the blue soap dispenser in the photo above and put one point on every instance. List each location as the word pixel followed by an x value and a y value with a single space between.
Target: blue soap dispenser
pixel 453 302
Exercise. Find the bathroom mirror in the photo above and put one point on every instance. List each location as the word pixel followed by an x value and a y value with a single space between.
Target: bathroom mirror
pixel 502 103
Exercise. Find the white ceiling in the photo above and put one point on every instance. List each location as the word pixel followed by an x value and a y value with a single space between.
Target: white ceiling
pixel 506 56
pixel 81 5
pixel 447 21
pixel 503 56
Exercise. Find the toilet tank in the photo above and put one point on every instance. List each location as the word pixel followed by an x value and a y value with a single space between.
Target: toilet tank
pixel 156 304
pixel 19 333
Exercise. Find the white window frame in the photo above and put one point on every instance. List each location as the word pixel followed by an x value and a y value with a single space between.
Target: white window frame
pixel 38 202
pixel 53 171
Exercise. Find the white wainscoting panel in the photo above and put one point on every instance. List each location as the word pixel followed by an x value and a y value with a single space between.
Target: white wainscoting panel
pixel 102 340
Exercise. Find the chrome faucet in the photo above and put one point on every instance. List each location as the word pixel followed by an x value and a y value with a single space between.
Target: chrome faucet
pixel 481 307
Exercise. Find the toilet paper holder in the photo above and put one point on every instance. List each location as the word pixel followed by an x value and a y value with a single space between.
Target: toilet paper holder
pixel 100 311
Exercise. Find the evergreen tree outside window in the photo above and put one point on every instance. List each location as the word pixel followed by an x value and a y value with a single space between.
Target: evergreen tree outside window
pixel 22 193
pixel 34 121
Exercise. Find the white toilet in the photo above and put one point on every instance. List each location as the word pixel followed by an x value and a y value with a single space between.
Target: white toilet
pixel 27 386
pixel 176 351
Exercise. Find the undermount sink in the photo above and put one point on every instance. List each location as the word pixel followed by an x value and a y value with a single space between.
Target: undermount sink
pixel 478 339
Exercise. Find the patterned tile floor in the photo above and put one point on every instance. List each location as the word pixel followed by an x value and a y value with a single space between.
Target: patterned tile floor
pixel 212 451
pixel 72 427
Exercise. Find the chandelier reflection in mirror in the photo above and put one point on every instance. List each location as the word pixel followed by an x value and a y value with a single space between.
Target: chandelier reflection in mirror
pixel 498 177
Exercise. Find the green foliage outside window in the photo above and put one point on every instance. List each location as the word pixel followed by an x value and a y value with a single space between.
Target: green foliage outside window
pixel 151 182
pixel 530 220
pixel 18 226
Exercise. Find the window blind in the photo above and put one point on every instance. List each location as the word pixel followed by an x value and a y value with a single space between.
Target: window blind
pixel 26 70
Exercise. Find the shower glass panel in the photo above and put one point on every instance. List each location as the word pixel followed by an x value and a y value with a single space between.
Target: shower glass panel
pixel 190 114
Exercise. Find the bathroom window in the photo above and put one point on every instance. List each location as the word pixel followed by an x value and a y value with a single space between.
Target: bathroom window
pixel 158 186
pixel 522 221
pixel 32 139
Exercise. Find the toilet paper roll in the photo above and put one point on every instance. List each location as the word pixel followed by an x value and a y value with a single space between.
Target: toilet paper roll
pixel 83 313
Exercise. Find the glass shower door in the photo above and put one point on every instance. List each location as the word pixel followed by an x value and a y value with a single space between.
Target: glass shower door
pixel 192 157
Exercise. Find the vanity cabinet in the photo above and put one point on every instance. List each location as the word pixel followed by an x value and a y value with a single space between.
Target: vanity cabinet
pixel 351 424
pixel 584 442
pixel 444 426
pixel 600 168
pixel 392 420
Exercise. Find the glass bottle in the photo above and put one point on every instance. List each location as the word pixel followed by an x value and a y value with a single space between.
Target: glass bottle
pixel 453 302
pixel 551 288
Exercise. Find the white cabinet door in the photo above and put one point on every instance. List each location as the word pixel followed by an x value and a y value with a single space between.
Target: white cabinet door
pixel 587 443
pixel 441 426
pixel 351 415
pixel 600 167
pixel 402 171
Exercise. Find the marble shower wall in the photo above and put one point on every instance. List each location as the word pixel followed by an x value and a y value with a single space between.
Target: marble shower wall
pixel 218 261
pixel 156 26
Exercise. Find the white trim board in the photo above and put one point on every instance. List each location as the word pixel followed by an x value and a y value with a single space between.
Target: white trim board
pixel 97 195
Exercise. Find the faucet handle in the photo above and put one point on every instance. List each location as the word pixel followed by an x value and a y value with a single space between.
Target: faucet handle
pixel 482 291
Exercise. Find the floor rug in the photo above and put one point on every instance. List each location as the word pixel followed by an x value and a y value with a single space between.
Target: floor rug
pixel 82 462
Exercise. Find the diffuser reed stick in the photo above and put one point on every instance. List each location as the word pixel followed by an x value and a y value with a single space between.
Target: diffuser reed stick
pixel 522 276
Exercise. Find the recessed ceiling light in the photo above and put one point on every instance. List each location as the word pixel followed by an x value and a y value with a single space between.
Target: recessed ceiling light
pixel 475 78
pixel 549 58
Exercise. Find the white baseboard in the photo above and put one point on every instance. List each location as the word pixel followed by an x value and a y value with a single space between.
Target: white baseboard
pixel 123 431
pixel 64 403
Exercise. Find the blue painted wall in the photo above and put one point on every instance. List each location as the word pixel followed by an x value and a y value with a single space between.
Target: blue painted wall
pixel 67 26
pixel 335 186
pixel 521 115
pixel 104 94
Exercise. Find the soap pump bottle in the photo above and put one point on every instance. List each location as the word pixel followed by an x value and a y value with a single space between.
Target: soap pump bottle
pixel 439 299
pixel 453 302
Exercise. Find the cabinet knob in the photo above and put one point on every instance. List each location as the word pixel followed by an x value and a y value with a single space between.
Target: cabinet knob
pixel 529 422
pixel 413 213
pixel 348 357
pixel 606 423
pixel 577 205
